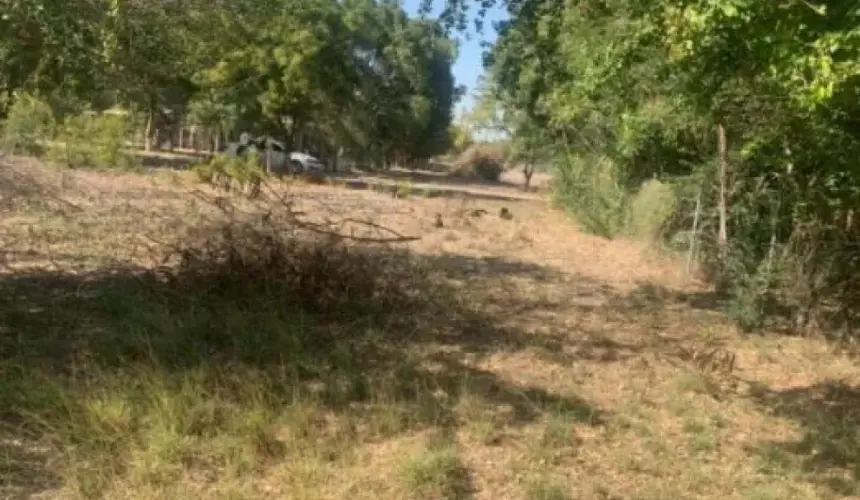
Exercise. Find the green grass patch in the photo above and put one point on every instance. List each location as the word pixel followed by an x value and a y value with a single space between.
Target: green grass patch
pixel 434 472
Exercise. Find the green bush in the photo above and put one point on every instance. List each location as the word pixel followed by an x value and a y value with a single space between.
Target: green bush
pixel 29 124
pixel 590 189
pixel 650 209
pixel 89 140
pixel 241 174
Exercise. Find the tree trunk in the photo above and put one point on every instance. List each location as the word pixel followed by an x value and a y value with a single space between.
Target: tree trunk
pixel 181 136
pixel 336 164
pixel 299 139
pixel 147 132
pixel 194 138
pixel 528 172
pixel 723 154
pixel 692 254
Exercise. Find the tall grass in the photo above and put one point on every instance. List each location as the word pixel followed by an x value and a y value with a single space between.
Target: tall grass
pixel 651 208
pixel 207 372
pixel 591 189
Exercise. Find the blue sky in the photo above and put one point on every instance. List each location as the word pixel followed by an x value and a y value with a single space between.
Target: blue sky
pixel 469 65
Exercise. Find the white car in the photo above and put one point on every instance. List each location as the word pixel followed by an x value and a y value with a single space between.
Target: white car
pixel 303 162
pixel 278 161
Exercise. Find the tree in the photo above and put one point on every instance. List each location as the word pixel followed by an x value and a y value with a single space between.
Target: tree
pixel 51 49
pixel 325 75
pixel 747 103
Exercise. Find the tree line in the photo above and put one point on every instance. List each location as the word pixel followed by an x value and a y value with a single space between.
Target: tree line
pixel 358 77
pixel 734 123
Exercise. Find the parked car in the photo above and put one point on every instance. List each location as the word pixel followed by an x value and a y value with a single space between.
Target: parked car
pixel 279 161
pixel 304 162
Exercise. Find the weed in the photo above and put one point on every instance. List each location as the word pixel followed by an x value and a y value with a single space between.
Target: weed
pixel 241 174
pixel 433 473
pixel 773 460
pixel 558 432
pixel 694 382
pixel 702 437
pixel 546 488
pixel 403 189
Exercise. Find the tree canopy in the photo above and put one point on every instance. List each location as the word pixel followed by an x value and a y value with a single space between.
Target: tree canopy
pixel 749 107
pixel 358 75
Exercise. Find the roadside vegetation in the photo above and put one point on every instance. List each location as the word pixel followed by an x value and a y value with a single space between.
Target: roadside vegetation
pixel 740 109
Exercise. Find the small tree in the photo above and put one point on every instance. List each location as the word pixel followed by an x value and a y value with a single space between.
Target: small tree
pixel 29 123
pixel 528 149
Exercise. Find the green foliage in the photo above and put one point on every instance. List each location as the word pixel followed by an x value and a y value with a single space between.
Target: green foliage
pixel 434 473
pixel 403 189
pixel 244 174
pixel 651 208
pixel 29 123
pixel 461 138
pixel 589 188
pixel 95 140
pixel 356 77
pixel 623 92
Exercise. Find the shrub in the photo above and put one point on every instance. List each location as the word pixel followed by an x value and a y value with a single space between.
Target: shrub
pixel 461 138
pixel 403 189
pixel 482 161
pixel 89 140
pixel 488 169
pixel 650 209
pixel 315 273
pixel 29 123
pixel 229 173
pixel 590 189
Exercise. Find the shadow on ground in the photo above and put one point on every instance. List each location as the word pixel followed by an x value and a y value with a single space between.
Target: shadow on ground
pixel 167 160
pixel 654 296
pixel 458 266
pixel 113 321
pixel 829 418
pixel 444 178
pixel 431 189
pixel 22 469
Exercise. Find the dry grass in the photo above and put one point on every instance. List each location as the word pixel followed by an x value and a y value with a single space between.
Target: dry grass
pixel 509 359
